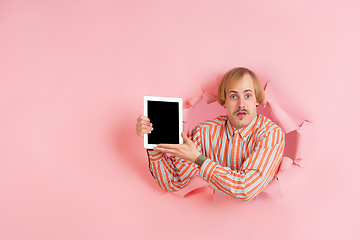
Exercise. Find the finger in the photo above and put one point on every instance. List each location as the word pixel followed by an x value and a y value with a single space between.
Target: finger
pixel 145 125
pixel 168 146
pixel 143 130
pixel 142 117
pixel 163 150
pixel 143 122
pixel 185 138
pixel 140 133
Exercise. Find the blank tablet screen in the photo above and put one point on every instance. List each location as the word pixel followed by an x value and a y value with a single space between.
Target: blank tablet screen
pixel 165 119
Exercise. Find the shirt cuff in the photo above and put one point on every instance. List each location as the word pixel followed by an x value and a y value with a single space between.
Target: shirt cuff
pixel 154 156
pixel 207 169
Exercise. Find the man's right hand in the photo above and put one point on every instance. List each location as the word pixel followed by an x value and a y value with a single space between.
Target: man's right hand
pixel 143 125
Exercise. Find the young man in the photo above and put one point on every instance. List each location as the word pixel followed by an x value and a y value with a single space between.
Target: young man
pixel 238 154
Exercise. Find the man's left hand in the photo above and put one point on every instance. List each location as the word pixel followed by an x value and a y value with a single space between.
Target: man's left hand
pixel 186 151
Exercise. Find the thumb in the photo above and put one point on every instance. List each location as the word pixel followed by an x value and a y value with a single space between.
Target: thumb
pixel 186 139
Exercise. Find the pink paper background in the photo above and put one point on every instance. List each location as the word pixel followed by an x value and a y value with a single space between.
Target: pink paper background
pixel 72 78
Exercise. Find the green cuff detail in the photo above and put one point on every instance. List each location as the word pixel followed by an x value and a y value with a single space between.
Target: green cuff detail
pixel 200 160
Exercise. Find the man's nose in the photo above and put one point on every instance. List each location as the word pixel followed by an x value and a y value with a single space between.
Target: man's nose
pixel 241 103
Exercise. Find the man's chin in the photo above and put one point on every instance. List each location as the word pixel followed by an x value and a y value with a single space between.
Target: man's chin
pixel 241 117
pixel 240 123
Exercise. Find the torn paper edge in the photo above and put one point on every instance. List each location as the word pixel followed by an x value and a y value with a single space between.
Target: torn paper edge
pixel 281 118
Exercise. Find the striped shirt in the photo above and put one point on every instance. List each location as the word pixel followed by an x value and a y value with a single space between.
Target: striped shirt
pixel 240 162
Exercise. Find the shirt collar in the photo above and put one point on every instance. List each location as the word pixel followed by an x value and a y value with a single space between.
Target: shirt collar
pixel 244 132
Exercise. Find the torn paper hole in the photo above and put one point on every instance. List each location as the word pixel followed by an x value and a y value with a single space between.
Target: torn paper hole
pixel 294 135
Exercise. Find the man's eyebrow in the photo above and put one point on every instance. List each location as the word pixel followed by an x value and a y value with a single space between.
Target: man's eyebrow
pixel 245 91
pixel 233 91
pixel 248 90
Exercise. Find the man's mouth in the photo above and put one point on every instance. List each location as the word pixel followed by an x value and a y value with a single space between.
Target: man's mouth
pixel 241 113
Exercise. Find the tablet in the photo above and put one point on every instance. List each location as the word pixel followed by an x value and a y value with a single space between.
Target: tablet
pixel 166 116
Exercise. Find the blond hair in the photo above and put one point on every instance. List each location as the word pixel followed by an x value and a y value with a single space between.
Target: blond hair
pixel 234 75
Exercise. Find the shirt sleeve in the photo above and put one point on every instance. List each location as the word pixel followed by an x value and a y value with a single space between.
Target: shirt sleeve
pixel 256 172
pixel 171 173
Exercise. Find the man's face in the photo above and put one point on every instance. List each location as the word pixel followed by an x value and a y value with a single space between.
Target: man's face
pixel 240 102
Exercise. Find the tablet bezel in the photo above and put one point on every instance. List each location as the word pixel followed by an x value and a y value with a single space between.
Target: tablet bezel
pixel 163 99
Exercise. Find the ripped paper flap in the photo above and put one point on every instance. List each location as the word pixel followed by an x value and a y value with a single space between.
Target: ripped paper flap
pixel 286 163
pixel 210 91
pixel 274 188
pixel 281 118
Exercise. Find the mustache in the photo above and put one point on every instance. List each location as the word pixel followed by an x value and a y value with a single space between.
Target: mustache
pixel 241 110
